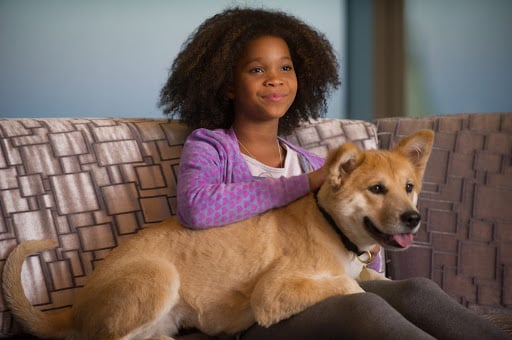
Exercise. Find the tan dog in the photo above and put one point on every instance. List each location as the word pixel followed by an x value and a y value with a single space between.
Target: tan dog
pixel 262 270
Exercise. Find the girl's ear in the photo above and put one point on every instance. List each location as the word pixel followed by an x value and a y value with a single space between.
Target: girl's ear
pixel 230 92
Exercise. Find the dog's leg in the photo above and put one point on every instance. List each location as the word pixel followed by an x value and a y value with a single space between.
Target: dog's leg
pixel 130 301
pixel 276 297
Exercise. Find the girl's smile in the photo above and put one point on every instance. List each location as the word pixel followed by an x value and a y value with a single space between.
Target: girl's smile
pixel 275 97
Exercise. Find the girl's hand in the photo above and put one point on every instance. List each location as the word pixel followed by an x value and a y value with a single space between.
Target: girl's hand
pixel 317 178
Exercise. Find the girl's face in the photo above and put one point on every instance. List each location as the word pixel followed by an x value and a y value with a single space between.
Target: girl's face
pixel 265 83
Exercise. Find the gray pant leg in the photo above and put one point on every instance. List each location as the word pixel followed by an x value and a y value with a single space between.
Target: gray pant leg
pixel 426 305
pixel 356 316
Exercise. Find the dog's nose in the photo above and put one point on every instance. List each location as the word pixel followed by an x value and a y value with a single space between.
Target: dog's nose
pixel 410 218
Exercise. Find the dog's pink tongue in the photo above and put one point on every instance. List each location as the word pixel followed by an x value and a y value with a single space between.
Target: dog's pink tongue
pixel 404 240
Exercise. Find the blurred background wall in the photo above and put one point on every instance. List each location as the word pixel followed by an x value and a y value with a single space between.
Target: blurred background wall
pixel 77 58
pixel 61 58
pixel 458 56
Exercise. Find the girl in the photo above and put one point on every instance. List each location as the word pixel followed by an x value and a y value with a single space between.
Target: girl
pixel 243 78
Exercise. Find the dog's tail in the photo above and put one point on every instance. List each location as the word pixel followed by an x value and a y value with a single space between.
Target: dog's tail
pixel 47 324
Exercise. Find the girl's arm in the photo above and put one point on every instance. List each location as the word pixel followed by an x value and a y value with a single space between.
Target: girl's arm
pixel 215 186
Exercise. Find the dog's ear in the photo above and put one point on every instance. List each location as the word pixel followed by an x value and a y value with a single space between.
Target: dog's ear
pixel 416 148
pixel 341 162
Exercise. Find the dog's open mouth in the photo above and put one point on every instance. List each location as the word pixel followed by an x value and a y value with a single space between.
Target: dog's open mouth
pixel 401 241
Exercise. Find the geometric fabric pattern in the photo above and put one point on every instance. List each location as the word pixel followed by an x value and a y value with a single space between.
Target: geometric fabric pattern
pixel 320 136
pixel 92 183
pixel 465 242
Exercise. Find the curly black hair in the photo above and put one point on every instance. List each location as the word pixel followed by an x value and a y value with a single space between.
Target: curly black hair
pixel 199 78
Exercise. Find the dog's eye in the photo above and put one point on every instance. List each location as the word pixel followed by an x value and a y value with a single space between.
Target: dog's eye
pixel 409 187
pixel 378 189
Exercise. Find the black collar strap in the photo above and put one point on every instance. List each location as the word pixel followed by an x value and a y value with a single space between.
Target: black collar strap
pixel 346 241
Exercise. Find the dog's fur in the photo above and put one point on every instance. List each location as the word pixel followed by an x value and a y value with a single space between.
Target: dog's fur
pixel 262 270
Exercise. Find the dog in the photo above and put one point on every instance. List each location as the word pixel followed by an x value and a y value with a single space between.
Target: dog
pixel 264 269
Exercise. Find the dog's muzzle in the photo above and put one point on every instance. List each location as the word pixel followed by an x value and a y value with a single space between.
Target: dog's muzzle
pixel 410 220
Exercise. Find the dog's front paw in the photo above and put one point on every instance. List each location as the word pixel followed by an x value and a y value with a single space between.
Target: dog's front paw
pixel 276 300
pixel 368 274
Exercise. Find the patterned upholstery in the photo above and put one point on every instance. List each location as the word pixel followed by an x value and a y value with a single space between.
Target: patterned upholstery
pixel 88 183
pixel 91 183
pixel 326 134
pixel 465 243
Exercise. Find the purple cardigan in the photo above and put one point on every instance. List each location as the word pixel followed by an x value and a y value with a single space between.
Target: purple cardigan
pixel 215 185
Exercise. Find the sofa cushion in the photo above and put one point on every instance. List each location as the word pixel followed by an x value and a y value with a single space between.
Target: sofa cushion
pixel 92 183
pixel 322 135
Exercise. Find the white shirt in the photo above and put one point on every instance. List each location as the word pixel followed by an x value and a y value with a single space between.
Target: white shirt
pixel 291 166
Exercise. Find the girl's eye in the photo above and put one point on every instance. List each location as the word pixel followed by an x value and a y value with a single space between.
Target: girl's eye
pixel 287 68
pixel 256 70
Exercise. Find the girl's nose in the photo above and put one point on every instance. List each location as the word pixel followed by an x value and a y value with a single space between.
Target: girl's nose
pixel 273 79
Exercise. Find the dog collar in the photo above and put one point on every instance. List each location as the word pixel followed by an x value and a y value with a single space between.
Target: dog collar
pixel 351 246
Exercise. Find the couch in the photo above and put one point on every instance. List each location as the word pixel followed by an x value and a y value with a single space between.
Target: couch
pixel 92 183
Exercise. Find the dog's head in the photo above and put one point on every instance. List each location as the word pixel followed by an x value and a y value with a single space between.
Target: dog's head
pixel 372 195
